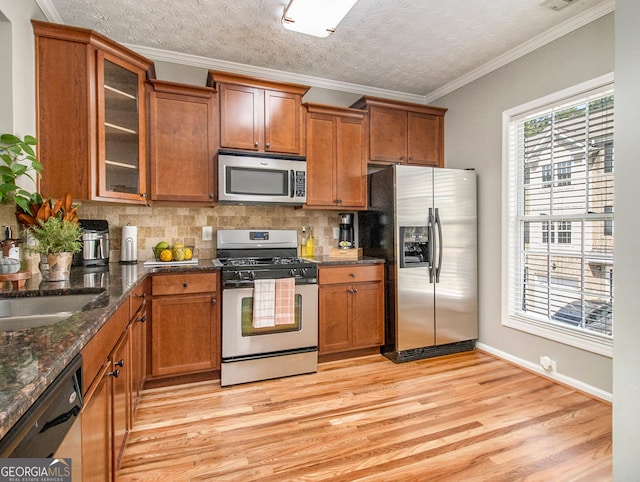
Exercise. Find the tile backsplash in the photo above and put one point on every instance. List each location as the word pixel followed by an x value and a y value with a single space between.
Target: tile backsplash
pixel 184 224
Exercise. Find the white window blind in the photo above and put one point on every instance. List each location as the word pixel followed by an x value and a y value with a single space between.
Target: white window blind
pixel 560 218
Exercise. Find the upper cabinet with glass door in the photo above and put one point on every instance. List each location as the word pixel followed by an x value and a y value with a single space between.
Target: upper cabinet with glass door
pixel 91 115
pixel 121 127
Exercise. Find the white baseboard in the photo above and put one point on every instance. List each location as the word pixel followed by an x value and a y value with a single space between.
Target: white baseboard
pixel 572 382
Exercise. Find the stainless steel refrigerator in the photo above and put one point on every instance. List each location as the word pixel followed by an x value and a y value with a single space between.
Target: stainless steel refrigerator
pixel 422 221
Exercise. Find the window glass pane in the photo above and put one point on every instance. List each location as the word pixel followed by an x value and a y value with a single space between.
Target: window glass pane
pixel 561 204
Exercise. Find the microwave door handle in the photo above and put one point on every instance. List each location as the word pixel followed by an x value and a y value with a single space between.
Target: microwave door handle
pixel 292 183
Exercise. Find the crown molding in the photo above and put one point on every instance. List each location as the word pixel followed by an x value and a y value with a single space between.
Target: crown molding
pixel 535 43
pixel 270 74
pixel 49 11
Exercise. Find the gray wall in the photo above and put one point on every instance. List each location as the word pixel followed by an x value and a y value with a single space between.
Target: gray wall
pixel 626 350
pixel 17 81
pixel 473 131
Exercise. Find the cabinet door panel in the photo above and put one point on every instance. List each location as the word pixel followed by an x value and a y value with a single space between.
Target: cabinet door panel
pixel 425 139
pixel 368 310
pixel 96 430
pixel 241 112
pixel 121 362
pixel 283 122
pixel 320 160
pixel 181 147
pixel 122 118
pixel 64 128
pixel 182 335
pixel 335 327
pixel 351 163
pixel 388 140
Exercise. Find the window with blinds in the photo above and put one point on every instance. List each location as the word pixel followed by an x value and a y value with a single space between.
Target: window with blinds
pixel 560 217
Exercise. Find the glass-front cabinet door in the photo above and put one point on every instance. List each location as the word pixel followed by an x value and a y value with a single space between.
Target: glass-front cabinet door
pixel 121 130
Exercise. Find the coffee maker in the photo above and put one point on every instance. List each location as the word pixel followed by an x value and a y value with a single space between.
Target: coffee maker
pixel 95 243
pixel 345 239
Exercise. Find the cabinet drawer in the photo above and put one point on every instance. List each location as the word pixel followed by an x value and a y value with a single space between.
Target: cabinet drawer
pixel 350 274
pixel 184 283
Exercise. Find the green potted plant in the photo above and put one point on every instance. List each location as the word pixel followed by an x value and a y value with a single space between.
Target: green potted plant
pixel 17 160
pixel 57 233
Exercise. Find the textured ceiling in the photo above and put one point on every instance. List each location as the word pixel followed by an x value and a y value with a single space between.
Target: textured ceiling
pixel 410 46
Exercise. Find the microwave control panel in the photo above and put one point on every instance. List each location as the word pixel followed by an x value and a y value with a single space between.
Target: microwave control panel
pixel 300 186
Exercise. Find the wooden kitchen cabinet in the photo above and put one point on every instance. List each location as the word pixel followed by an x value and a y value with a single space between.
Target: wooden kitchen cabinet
pixel 185 324
pixel 91 115
pixel 183 135
pixel 404 133
pixel 97 433
pixel 138 327
pixel 351 307
pixel 121 408
pixel 113 374
pixel 106 389
pixel 337 150
pixel 259 115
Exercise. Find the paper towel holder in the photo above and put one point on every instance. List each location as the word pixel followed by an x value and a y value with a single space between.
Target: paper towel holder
pixel 129 245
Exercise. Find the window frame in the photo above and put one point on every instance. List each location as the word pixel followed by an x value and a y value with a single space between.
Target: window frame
pixel 580 339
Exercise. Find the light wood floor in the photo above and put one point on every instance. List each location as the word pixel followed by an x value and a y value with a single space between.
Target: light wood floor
pixel 467 417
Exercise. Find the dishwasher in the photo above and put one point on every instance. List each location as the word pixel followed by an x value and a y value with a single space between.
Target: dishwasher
pixel 42 429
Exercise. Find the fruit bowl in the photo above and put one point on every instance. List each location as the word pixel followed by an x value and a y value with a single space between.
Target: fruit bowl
pixel 178 252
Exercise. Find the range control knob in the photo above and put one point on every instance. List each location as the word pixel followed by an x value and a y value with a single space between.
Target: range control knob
pixel 293 272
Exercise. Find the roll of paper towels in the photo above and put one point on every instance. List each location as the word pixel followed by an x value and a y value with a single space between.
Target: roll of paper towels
pixel 129 247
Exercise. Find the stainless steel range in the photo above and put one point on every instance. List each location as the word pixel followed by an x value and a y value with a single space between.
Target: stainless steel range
pixel 269 306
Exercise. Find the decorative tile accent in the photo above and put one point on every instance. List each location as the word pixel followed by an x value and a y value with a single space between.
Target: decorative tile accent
pixel 184 224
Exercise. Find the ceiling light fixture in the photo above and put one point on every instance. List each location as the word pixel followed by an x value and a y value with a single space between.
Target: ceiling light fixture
pixel 556 4
pixel 315 17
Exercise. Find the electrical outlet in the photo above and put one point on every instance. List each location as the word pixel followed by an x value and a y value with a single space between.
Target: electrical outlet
pixel 547 364
pixel 336 233
pixel 207 233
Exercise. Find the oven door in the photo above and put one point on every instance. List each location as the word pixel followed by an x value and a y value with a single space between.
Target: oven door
pixel 240 339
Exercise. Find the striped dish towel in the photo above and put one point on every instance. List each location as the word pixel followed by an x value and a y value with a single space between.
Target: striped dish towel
pixel 285 301
pixel 264 303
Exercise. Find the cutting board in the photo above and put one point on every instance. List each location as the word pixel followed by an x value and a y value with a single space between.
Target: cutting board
pixel 154 263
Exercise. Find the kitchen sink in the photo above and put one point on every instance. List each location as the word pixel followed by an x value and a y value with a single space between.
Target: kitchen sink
pixel 32 311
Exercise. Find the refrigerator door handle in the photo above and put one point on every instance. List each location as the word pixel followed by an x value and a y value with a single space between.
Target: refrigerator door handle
pixel 431 247
pixel 439 224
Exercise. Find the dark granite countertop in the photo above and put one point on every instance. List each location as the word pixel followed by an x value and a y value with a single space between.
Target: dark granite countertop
pixel 327 261
pixel 31 359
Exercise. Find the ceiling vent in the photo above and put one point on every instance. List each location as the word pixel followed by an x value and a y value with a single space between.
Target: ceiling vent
pixel 557 4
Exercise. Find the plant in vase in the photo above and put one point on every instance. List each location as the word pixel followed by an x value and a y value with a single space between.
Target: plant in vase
pixel 57 233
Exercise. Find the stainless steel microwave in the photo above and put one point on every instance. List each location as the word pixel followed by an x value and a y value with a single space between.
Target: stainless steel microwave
pixel 253 179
